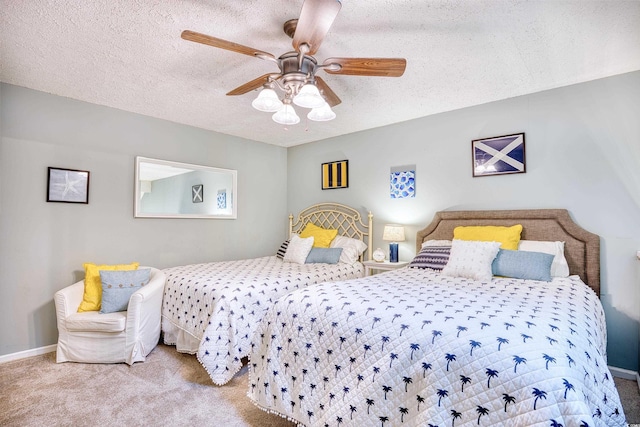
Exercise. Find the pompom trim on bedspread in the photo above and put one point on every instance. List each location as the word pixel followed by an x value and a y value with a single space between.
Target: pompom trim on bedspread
pixel 271 411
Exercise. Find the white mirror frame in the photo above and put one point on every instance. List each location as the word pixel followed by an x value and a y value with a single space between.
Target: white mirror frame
pixel 187 201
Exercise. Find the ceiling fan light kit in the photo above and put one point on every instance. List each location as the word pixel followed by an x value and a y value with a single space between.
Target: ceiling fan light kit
pixel 307 96
pixel 297 77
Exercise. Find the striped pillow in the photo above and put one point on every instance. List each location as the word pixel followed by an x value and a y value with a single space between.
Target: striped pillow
pixel 282 249
pixel 434 257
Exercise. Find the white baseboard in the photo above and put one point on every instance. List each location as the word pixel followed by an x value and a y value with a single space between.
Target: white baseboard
pixel 28 353
pixel 625 374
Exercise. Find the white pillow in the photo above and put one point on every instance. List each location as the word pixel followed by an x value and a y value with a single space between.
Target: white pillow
pixel 471 259
pixel 436 243
pixel 351 248
pixel 298 249
pixel 559 267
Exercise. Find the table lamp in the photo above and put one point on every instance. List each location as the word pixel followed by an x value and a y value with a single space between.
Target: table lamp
pixel 394 234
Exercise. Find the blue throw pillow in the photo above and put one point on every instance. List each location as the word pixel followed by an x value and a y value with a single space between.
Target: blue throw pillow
pixel 522 265
pixel 434 257
pixel 118 286
pixel 324 255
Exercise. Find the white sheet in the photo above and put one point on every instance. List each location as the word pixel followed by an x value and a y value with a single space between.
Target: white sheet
pixel 414 348
pixel 213 308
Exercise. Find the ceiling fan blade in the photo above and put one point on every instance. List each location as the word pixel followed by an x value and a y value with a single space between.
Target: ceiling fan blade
pixel 315 20
pixel 249 86
pixel 222 44
pixel 329 95
pixel 382 67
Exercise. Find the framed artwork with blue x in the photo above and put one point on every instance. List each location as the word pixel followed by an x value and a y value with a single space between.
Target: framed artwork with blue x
pixel 498 155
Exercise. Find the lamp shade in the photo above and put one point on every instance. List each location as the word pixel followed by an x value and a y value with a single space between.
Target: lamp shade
pixel 321 114
pixel 267 101
pixel 286 116
pixel 309 97
pixel 393 233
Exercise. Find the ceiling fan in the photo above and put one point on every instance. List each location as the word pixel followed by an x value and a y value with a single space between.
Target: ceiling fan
pixel 297 78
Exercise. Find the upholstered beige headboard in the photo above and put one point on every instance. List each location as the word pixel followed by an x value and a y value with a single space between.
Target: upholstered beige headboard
pixel 345 219
pixel 582 248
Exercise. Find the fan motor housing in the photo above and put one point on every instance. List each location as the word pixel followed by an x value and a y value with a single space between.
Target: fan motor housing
pixel 289 64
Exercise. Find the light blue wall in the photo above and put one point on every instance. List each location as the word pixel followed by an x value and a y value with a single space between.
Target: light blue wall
pixel 582 154
pixel 582 147
pixel 43 245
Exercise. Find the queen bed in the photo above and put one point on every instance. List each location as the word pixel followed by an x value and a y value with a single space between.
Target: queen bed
pixel 422 346
pixel 211 309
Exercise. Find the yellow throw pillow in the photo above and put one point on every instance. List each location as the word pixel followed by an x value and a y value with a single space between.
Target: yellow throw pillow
pixel 508 236
pixel 321 237
pixel 92 298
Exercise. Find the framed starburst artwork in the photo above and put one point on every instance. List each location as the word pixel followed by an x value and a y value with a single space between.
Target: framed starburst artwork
pixel 67 186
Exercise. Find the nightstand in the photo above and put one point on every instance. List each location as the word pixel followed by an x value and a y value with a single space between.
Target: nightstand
pixel 382 266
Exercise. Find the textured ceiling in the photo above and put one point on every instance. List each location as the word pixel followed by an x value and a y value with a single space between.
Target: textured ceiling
pixel 128 54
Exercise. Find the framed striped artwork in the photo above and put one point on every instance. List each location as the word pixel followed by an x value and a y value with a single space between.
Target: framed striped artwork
pixel 335 175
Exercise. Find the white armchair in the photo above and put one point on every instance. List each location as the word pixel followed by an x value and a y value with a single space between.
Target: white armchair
pixel 124 336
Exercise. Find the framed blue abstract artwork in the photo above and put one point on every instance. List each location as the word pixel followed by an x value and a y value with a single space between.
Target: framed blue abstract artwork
pixel 498 155
pixel 222 199
pixel 402 184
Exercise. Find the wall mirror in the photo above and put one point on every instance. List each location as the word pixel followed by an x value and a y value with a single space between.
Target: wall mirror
pixel 166 189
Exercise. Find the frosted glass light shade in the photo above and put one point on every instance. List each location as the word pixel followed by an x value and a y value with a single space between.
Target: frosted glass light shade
pixel 321 114
pixel 286 116
pixel 393 233
pixel 267 101
pixel 309 97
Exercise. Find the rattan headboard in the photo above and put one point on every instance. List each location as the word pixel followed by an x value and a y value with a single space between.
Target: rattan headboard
pixel 346 220
pixel 582 248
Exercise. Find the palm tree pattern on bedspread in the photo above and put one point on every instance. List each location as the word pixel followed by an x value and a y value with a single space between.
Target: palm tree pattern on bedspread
pixel 412 347
pixel 221 303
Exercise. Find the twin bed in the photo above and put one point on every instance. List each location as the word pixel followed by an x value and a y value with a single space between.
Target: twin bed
pixel 212 309
pixel 411 346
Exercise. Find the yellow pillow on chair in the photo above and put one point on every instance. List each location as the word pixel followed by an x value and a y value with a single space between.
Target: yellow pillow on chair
pixel 92 298
pixel 508 236
pixel 321 237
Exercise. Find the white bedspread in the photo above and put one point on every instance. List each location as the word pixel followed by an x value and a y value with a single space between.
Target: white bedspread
pixel 414 348
pixel 213 308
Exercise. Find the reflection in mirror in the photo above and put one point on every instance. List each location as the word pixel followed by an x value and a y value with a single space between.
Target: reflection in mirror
pixel 167 189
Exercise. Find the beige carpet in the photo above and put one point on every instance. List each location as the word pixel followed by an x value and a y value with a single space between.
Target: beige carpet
pixel 169 389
